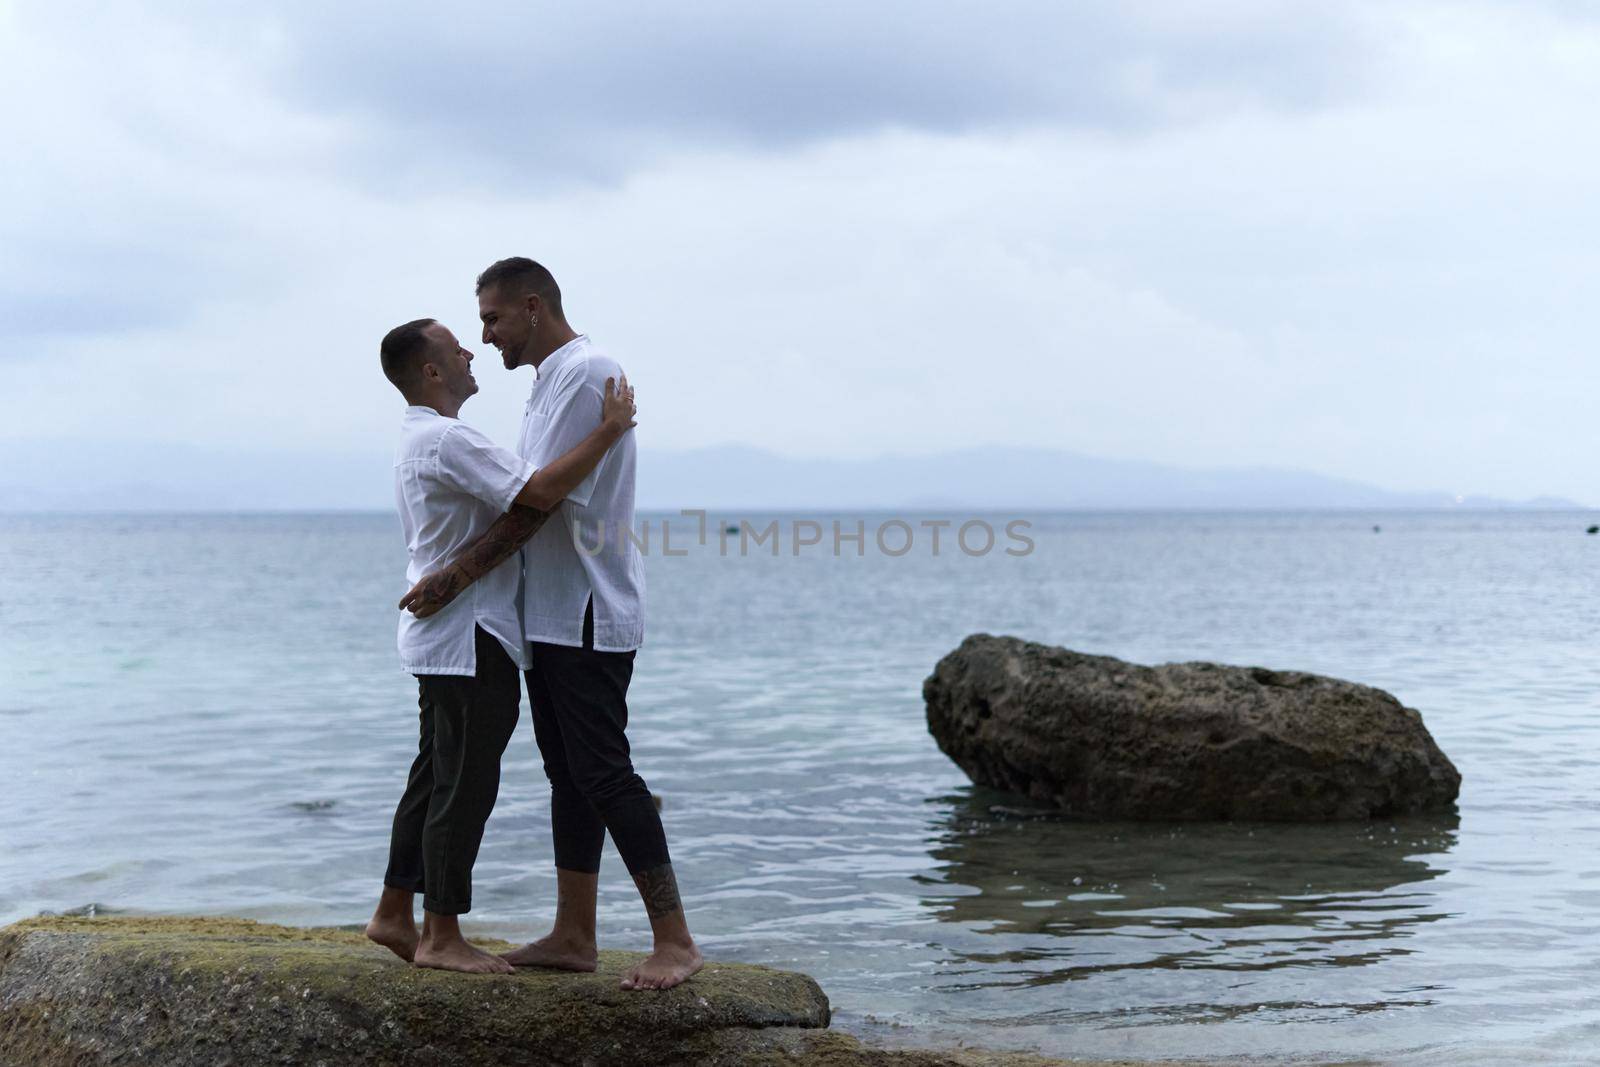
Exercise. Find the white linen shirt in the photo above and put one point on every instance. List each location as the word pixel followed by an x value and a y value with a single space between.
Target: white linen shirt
pixel 558 579
pixel 450 483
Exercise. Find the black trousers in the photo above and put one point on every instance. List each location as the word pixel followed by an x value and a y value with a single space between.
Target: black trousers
pixel 579 699
pixel 466 724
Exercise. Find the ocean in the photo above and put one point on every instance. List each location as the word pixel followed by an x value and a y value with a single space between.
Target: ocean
pixel 205 714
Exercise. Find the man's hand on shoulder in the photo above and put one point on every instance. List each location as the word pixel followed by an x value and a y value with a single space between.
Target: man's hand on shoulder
pixel 434 592
pixel 617 409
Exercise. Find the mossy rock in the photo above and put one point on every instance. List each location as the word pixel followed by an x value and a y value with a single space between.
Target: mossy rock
pixel 185 992
pixel 176 991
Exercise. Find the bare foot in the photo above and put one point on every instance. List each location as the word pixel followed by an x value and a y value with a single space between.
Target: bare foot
pixel 550 951
pixel 459 956
pixel 398 936
pixel 664 968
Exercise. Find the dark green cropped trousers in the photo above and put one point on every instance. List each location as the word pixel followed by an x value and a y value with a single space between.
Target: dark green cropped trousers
pixel 466 724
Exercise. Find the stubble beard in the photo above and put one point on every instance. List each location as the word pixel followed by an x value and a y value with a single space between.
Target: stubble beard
pixel 514 356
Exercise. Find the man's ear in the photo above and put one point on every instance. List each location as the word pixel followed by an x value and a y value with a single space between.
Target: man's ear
pixel 428 372
pixel 533 305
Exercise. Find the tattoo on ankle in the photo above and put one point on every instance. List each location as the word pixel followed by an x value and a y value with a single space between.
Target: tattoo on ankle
pixel 659 888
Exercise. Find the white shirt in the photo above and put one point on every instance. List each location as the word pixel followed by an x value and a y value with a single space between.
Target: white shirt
pixel 558 579
pixel 450 483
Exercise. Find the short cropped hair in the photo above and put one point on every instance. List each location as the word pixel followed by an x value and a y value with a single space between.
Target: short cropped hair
pixel 402 350
pixel 520 275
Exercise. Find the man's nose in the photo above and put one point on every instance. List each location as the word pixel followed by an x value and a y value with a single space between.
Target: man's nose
pixel 488 340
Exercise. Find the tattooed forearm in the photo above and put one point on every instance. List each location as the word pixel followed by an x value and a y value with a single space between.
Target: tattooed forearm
pixel 444 586
pixel 659 888
pixel 503 537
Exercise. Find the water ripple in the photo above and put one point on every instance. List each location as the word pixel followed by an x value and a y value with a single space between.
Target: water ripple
pixel 229 732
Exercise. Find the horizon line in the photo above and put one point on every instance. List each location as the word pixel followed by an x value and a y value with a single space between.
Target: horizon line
pixel 1179 509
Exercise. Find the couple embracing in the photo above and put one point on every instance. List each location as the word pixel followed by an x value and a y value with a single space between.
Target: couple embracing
pixel 502 596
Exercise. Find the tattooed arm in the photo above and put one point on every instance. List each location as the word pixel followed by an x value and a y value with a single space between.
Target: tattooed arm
pixel 503 537
pixel 538 499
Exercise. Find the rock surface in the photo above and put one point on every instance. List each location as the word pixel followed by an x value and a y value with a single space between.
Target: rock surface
pixel 1101 738
pixel 176 992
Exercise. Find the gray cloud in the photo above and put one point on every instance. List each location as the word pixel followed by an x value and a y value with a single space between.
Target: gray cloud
pixel 69 284
pixel 162 167
pixel 138 192
pixel 597 91
pixel 1249 234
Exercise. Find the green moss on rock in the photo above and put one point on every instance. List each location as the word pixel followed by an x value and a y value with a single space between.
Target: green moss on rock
pixel 183 992
pixel 191 991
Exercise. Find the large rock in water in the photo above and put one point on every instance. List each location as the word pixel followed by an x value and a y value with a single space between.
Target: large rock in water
pixel 178 992
pixel 1105 739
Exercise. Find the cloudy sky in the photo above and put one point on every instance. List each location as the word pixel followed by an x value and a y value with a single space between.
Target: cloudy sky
pixel 1357 238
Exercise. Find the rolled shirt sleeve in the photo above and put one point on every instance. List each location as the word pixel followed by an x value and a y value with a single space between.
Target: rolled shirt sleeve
pixel 475 465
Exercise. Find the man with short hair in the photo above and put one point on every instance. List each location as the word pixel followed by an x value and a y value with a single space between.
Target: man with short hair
pixel 583 615
pixel 451 483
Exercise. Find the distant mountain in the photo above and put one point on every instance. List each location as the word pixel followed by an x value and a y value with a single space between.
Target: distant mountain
pixel 999 478
pixel 73 476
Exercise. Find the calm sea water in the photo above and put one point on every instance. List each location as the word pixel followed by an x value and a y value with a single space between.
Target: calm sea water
pixel 204 714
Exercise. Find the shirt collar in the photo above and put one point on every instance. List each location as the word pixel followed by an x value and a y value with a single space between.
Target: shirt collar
pixel 421 409
pixel 553 361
